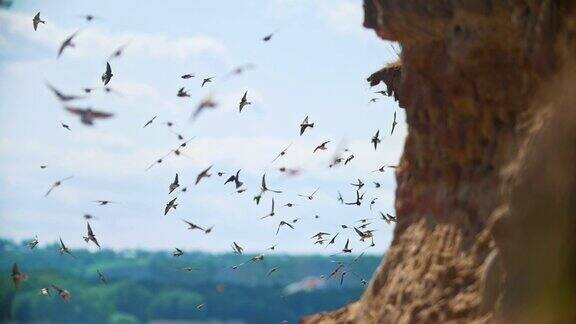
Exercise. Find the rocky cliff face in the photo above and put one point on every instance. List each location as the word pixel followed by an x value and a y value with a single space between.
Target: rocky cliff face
pixel 486 197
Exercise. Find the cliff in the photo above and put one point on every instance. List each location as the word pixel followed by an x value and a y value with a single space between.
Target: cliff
pixel 486 192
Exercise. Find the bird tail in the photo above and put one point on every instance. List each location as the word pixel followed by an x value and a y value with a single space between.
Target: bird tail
pixel 86 239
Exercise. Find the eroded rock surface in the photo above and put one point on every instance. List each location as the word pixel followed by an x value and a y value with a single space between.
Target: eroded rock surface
pixel 484 84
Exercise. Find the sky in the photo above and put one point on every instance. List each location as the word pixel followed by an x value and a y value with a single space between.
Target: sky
pixel 316 65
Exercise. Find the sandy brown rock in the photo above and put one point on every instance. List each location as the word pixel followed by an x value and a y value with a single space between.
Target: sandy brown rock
pixel 479 81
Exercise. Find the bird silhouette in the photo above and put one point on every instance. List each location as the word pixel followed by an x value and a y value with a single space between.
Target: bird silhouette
pixel 321 147
pixel 170 205
pixel 36 20
pixel 87 115
pixel 90 236
pixel 57 184
pixel 67 43
pixel 174 184
pixel 244 102
pixel 304 125
pixel 203 174
pixel 206 80
pixel 107 75
pixel 394 123
pixel 376 140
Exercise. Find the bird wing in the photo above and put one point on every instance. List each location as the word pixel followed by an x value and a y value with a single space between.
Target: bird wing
pixel 75 110
pixel 108 69
pixel 101 114
pixel 90 233
pixel 36 20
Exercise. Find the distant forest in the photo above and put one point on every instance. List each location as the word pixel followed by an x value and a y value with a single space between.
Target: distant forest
pixel 147 286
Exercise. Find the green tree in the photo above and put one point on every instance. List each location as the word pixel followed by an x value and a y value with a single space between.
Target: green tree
pixel 175 304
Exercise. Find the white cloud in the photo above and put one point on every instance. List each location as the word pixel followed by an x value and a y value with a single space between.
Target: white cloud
pixel 92 41
pixel 345 17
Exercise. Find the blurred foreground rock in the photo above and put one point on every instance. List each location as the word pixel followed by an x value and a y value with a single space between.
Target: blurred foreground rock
pixel 486 197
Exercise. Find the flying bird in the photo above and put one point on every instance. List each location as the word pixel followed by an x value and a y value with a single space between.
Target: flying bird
pixel 182 93
pixel 177 252
pixel 358 201
pixel 394 123
pixel 305 124
pixel 171 204
pixel 87 115
pixel 282 223
pixel 360 184
pixel 36 20
pixel 244 101
pixel 64 294
pixel 174 184
pixel 237 248
pixel 372 202
pixel 56 184
pixel 65 126
pixel 257 198
pixel 264 188
pixel 45 291
pixel 236 179
pixel 64 249
pixel 347 249
pixel 348 159
pixel 90 236
pixel 188 76
pixel 388 218
pixel 376 140
pixel 340 198
pixel 333 240
pixel 150 121
pixel 271 271
pixel 90 17
pixel 118 52
pixel 67 43
pixel 102 277
pixel 18 276
pixel 32 244
pixel 319 235
pixel 282 153
pixel 321 147
pixel 268 37
pixel 203 174
pixel 107 75
pixel 240 69
pixel 104 202
pixel 207 103
pixel 61 96
pixel 272 213
pixel 206 80
pixel 311 196
pixel 192 226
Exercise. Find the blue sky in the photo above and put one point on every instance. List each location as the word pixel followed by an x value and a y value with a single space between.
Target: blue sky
pixel 315 65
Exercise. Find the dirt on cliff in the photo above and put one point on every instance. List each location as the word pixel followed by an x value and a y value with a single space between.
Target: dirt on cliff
pixel 486 196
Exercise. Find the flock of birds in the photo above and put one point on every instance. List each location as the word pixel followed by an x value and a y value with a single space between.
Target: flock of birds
pixel 361 229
